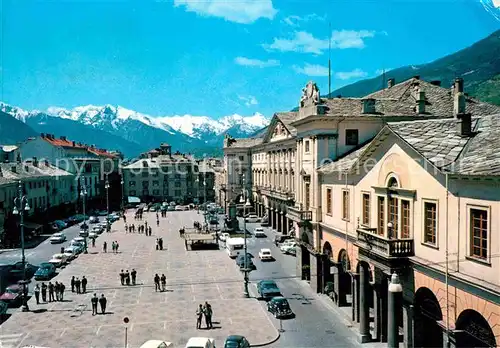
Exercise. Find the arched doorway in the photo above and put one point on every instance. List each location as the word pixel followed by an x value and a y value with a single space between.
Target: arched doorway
pixel 345 280
pixel 428 313
pixel 305 256
pixel 326 265
pixel 476 331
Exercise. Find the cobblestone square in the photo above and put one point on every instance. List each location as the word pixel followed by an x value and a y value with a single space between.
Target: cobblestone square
pixel 193 277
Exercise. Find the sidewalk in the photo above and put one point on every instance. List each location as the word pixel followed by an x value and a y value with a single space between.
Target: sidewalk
pixel 192 278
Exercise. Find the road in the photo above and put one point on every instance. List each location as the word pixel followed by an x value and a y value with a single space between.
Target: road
pixel 314 325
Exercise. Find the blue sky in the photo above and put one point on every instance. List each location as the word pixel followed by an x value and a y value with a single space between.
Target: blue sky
pixel 216 57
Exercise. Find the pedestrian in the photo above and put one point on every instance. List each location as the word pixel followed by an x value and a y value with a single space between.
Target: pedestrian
pixel 51 292
pixel 62 250
pixel 208 315
pixel 37 293
pixel 73 284
pixel 134 275
pixel 126 228
pixel 84 285
pixel 127 277
pixel 62 287
pixel 199 316
pixel 158 223
pixel 157 244
pixel 116 246
pixel 157 282
pixel 113 246
pixel 93 242
pixel 105 247
pixel 56 290
pixel 150 230
pixel 122 277
pixel 44 292
pixel 163 282
pixel 94 301
pixel 77 285
pixel 102 302
pixel 160 242
pixel 124 219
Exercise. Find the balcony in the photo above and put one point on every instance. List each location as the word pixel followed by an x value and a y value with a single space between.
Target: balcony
pixel 299 215
pixel 388 248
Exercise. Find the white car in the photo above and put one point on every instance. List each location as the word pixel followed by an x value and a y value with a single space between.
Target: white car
pixel 200 342
pixel 287 247
pixel 58 260
pixel 224 236
pixel 93 234
pixel 97 229
pixel 179 208
pixel 84 233
pixel 71 252
pixel 259 232
pixel 93 220
pixel 265 255
pixel 156 344
pixel 252 218
pixel 57 238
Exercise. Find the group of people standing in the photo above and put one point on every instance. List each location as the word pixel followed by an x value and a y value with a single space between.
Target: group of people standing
pixel 160 281
pixel 125 277
pixel 56 289
pixel 101 300
pixel 79 286
pixel 140 229
pixel 114 246
pixel 207 312
pixel 159 243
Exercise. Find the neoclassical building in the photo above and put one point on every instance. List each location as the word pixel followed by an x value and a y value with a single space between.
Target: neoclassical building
pixel 323 170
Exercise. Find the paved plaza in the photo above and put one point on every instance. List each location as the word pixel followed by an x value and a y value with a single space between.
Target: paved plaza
pixel 193 277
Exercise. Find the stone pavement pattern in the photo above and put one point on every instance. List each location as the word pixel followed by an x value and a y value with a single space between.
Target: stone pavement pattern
pixel 192 278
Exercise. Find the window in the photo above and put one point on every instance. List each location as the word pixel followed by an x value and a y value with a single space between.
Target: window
pixel 351 137
pixel 381 216
pixel 307 195
pixel 145 184
pixel 329 201
pixel 156 183
pixel 479 233
pixel 405 219
pixel 393 217
pixel 131 183
pixel 366 209
pixel 306 146
pixel 345 205
pixel 430 223
pixel 241 158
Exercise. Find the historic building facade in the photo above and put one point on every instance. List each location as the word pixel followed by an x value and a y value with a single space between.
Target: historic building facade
pixel 392 183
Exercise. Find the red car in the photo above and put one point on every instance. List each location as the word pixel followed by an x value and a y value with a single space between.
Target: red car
pixel 12 294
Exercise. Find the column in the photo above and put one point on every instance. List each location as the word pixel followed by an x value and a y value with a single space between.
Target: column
pixel 364 309
pixel 268 211
pixel 273 213
pixel 355 297
pixel 408 325
pixel 341 282
pixel 394 302
pixel 285 224
pixel 380 309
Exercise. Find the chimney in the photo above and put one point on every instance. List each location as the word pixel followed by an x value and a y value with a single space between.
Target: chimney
pixel 391 82
pixel 436 83
pixel 368 106
pixel 421 102
pixel 464 125
pixel 458 103
pixel 458 85
pixel 63 137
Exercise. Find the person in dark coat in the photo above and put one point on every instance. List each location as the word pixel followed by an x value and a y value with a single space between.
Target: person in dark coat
pixel 157 282
pixel 134 276
pixel 127 277
pixel 56 290
pixel 78 283
pixel 44 292
pixel 105 247
pixel 122 277
pixel 37 293
pixel 94 301
pixel 84 285
pixel 62 287
pixel 199 316
pixel 73 284
pixel 102 302
pixel 51 292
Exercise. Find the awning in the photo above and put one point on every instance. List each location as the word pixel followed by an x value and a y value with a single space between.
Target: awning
pixel 136 200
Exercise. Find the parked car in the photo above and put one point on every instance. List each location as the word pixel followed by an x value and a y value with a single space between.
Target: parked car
pixel 58 260
pixel 259 232
pixel 93 220
pixel 236 341
pixel 280 307
pixel 45 272
pixel 240 261
pixel 265 221
pixel 200 342
pixel 12 295
pixel 97 229
pixel 224 236
pixel 280 238
pixel 71 252
pixel 93 235
pixel 252 218
pixel 268 289
pixel 156 344
pixel 178 208
pixel 289 248
pixel 265 255
pixel 15 270
pixel 83 233
pixel 57 238
pixel 61 224
pixel 80 246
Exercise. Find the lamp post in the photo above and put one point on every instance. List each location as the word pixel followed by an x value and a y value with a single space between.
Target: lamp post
pixel 395 292
pixel 123 194
pixel 106 186
pixel 244 200
pixel 20 207
pixel 83 194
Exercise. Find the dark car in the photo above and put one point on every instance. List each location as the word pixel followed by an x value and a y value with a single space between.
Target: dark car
pixel 236 341
pixel 268 289
pixel 279 307
pixel 280 238
pixel 12 295
pixel 240 261
pixel 16 270
pixel 45 272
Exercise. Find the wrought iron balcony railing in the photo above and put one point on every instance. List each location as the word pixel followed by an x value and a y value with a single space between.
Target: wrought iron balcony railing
pixel 299 215
pixel 386 247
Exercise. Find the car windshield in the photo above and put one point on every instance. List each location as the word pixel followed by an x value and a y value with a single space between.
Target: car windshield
pixel 12 290
pixel 232 344
pixel 269 285
pixel 45 265
pixel 58 257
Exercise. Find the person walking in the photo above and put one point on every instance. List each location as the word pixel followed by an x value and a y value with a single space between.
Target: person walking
pixel 208 315
pixel 199 316
pixel 37 293
pixel 127 277
pixel 103 301
pixel 56 290
pixel 94 301
pixel 93 242
pixel 122 277
pixel 77 285
pixel 163 283
pixel 134 276
pixel 62 287
pixel 51 292
pixel 116 246
pixel 157 282
pixel 105 247
pixel 44 292
pixel 84 285
pixel 157 244
pixel 73 284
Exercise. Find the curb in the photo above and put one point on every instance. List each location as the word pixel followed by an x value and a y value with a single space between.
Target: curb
pixel 267 343
pixel 345 319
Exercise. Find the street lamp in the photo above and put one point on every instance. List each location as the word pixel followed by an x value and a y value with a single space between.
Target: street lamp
pixel 246 203
pixel 106 186
pixel 123 194
pixel 83 194
pixel 20 207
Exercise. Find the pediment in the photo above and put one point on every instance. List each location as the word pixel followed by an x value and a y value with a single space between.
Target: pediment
pixel 276 131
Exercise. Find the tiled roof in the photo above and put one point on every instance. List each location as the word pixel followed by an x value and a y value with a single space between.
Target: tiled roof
pixel 246 142
pixel 159 161
pixel 101 152
pixel 63 142
pixel 343 163
pixel 26 170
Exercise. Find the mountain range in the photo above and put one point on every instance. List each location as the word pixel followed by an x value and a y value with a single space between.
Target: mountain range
pixel 128 131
